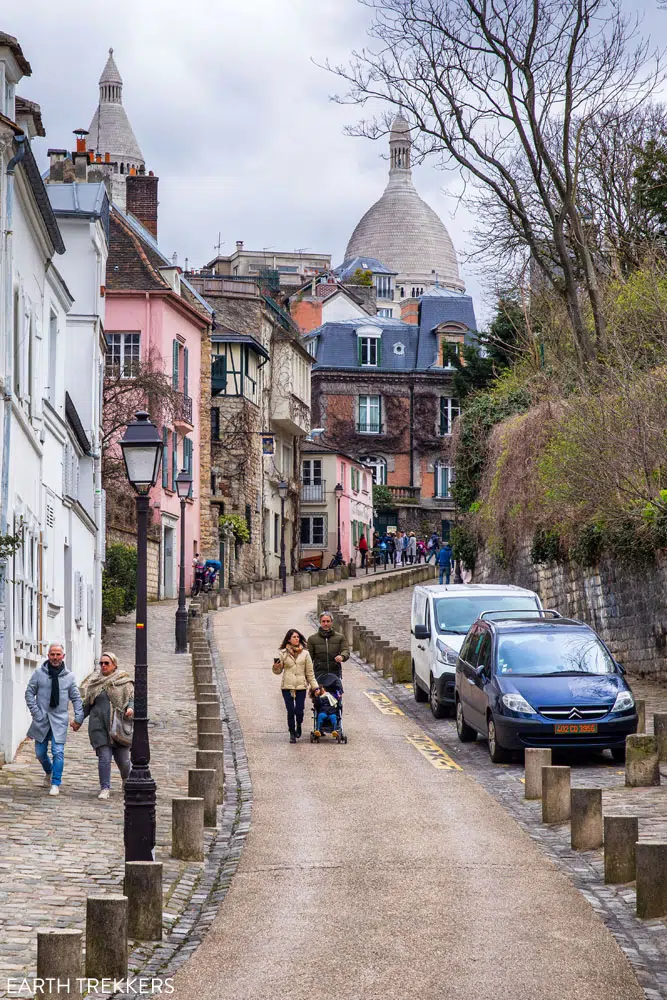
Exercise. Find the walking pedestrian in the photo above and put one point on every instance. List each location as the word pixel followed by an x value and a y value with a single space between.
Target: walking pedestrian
pixel 363 550
pixel 406 546
pixel 296 666
pixel 433 546
pixel 328 648
pixel 421 550
pixel 412 548
pixel 108 704
pixel 49 691
pixel 444 559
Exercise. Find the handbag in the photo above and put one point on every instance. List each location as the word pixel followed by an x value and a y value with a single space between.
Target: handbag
pixel 120 728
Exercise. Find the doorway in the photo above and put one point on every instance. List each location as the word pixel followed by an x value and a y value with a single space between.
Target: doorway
pixel 168 584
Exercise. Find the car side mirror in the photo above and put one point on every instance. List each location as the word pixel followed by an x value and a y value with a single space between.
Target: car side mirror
pixel 621 668
pixel 422 632
pixel 481 670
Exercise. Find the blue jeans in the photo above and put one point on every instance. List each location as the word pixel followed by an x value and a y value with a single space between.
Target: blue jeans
pixel 54 767
pixel 322 718
pixel 445 571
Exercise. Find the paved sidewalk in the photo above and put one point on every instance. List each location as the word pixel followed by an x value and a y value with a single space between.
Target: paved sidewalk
pixel 57 851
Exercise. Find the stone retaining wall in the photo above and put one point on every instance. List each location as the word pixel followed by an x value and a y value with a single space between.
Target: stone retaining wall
pixel 627 606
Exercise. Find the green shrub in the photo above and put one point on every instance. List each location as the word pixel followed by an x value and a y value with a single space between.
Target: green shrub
pixel 464 546
pixel 238 524
pixel 546 546
pixel 119 582
pixel 588 545
pixel 382 496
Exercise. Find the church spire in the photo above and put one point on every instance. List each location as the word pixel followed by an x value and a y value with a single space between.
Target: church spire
pixel 399 145
pixel 111 83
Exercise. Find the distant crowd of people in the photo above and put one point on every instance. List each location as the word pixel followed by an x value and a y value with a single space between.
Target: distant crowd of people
pixel 402 548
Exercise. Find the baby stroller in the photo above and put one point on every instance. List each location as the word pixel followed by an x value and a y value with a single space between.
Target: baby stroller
pixel 329 709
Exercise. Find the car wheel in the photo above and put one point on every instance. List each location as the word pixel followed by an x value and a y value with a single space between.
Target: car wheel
pixel 465 733
pixel 618 753
pixel 438 709
pixel 498 754
pixel 419 693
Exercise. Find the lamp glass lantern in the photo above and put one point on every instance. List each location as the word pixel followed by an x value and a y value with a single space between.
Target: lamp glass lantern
pixel 338 490
pixel 283 487
pixel 142 451
pixel 183 484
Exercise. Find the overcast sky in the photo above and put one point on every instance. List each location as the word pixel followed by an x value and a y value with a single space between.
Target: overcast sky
pixel 233 115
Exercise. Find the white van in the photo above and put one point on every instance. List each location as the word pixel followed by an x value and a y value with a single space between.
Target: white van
pixel 441 617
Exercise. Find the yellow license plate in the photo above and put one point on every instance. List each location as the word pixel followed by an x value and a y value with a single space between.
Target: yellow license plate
pixel 572 728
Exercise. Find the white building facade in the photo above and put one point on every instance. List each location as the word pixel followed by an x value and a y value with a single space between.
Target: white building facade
pixel 50 586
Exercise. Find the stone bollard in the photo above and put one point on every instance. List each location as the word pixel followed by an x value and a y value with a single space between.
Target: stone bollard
pixel 640 705
pixel 536 759
pixel 235 596
pixel 207 692
pixel 642 767
pixel 365 591
pixel 59 957
pixel 143 888
pixel 660 732
pixel 106 937
pixel 621 834
pixel 224 598
pixel 651 879
pixel 338 573
pixel 378 654
pixel 187 829
pixel 202 784
pixel 257 591
pixel 357 593
pixel 555 794
pixel 387 661
pixel 208 710
pixel 210 725
pixel 330 575
pixel 586 819
pixel 203 675
pixel 345 572
pixel 356 636
pixel 348 626
pixel 209 741
pixel 401 666
pixel 215 759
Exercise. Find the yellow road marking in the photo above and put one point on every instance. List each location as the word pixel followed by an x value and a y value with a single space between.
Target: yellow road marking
pixel 386 705
pixel 434 754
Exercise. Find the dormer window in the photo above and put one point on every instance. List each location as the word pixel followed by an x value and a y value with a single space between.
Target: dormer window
pixel 369 346
pixel 451 338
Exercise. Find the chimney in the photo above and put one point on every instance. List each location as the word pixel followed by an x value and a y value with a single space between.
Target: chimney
pixel 80 165
pixel 107 157
pixel 80 134
pixel 239 246
pixel 56 165
pixel 141 199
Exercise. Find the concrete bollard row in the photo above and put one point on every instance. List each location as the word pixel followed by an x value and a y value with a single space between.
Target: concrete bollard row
pixel 660 733
pixel 106 937
pixel 207 740
pixel 586 829
pixel 215 760
pixel 59 961
pixel 143 889
pixel 535 760
pixel 555 794
pixel 202 784
pixel 187 829
pixel 651 879
pixel 642 765
pixel 621 834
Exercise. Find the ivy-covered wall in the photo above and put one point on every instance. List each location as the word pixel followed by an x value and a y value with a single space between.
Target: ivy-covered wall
pixel 626 604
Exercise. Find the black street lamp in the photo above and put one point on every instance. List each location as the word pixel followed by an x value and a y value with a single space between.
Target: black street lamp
pixel 142 450
pixel 183 489
pixel 338 490
pixel 283 487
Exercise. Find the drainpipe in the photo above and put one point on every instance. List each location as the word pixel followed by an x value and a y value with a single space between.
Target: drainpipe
pixel 412 434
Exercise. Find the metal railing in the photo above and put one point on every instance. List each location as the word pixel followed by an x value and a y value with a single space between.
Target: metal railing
pixel 369 428
pixel 184 410
pixel 313 492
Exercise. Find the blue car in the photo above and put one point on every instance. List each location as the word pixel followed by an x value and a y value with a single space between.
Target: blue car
pixel 540 681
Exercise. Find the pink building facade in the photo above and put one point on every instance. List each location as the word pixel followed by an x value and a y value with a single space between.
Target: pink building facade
pixel 321 471
pixel 155 319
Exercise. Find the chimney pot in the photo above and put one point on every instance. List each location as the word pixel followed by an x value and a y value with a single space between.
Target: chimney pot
pixel 133 171
pixel 239 245
pixel 107 157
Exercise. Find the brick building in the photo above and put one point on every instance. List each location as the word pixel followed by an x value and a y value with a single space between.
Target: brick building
pixel 382 391
pixel 260 413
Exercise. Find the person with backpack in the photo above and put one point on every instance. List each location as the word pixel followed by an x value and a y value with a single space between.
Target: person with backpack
pixel 444 558
pixel 433 547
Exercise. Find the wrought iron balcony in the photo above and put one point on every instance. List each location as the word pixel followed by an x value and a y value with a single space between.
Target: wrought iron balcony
pixel 313 492
pixel 183 414
pixel 369 428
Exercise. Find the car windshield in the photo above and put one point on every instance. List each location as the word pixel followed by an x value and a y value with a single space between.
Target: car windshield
pixel 456 614
pixel 553 652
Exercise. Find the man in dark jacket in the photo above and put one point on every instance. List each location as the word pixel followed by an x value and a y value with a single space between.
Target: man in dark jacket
pixel 327 648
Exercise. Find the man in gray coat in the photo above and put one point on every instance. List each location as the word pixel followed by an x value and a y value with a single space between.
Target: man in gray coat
pixel 49 691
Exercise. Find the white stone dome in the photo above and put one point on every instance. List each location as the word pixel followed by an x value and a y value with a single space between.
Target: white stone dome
pixel 401 230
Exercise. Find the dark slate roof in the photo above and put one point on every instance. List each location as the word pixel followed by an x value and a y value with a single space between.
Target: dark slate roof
pixel 349 266
pixel 78 199
pixel 74 420
pixel 337 341
pixel 25 107
pixel 35 181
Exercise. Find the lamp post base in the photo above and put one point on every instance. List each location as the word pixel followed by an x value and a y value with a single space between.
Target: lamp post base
pixel 181 630
pixel 140 797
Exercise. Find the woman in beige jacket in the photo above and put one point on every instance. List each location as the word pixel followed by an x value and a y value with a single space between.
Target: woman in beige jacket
pixel 294 663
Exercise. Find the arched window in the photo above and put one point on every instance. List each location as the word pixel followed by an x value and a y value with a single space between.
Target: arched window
pixel 378 468
pixel 442 479
pixel 121 169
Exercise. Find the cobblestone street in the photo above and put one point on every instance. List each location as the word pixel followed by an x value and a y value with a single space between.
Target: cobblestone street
pixel 57 851
pixel 644 942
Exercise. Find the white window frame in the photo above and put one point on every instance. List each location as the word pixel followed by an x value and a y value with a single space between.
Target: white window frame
pixel 312 542
pixel 366 405
pixel 311 471
pixel 378 469
pixel 122 354
pixel 439 469
pixel 368 346
pixel 450 411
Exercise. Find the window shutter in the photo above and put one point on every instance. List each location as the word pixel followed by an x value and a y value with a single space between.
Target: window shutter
pixel 378 359
pixel 174 369
pixel 165 458
pixel 359 340
pixel 66 470
pixel 103 526
pixel 174 459
pixel 185 372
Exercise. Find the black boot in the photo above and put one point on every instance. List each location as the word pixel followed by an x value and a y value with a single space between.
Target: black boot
pixel 292 738
pixel 298 730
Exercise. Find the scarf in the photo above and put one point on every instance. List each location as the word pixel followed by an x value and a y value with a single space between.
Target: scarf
pixel 54 674
pixel 119 688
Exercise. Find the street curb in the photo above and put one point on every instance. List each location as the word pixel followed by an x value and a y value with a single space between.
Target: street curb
pixel 224 852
